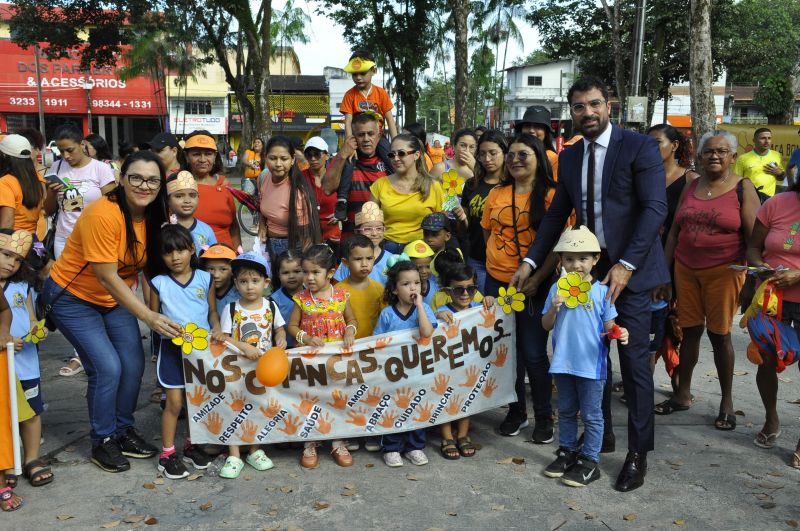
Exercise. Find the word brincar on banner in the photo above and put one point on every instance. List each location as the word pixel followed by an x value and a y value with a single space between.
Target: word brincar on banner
pixel 389 383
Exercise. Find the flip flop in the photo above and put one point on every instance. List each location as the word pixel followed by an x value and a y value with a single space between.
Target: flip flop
pixel 35 477
pixel 767 441
pixel 668 407
pixel 723 419
pixel 69 371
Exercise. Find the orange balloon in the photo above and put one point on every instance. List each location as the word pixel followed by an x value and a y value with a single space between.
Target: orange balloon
pixel 273 367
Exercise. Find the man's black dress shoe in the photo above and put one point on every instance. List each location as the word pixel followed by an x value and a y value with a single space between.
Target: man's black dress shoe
pixel 631 476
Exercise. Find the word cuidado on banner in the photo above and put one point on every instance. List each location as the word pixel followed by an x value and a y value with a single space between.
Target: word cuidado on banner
pixel 390 383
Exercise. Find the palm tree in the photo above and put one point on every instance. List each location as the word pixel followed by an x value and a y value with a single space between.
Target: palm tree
pixel 503 28
pixel 288 27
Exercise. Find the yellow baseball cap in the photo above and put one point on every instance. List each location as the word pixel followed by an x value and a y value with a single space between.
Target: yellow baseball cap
pixel 201 142
pixel 357 65
pixel 418 249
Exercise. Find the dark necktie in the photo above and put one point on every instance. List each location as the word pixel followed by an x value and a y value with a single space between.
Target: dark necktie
pixel 590 189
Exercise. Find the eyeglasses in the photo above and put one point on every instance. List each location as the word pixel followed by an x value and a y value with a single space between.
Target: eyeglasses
pixel 137 181
pixel 580 108
pixel 371 230
pixel 315 154
pixel 721 153
pixel 487 155
pixel 462 290
pixel 522 155
pixel 400 153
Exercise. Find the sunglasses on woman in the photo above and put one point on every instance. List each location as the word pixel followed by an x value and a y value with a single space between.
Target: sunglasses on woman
pixel 462 290
pixel 400 153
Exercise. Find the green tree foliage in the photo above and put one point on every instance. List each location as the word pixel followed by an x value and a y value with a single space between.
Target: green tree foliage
pixel 535 57
pixel 399 33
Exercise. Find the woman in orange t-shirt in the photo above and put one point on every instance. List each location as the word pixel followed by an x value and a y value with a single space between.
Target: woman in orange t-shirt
pixel 22 190
pixel 252 164
pixel 91 302
pixel 216 206
pixel 511 216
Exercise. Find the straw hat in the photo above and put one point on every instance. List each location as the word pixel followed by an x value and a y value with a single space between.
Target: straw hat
pixel 580 240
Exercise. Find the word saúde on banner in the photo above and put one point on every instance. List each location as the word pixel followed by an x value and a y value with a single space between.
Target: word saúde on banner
pixel 384 384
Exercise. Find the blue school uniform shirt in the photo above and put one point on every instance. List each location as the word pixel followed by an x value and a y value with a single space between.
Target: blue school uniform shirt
pixel 224 299
pixel 202 234
pixel 658 305
pixel 285 306
pixel 378 273
pixel 184 303
pixel 433 287
pixel 390 320
pixel 579 348
pixel 26 360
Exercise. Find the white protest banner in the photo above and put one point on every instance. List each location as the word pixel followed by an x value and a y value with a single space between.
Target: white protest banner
pixel 390 383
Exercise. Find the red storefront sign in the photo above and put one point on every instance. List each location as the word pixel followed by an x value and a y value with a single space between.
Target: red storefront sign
pixel 64 86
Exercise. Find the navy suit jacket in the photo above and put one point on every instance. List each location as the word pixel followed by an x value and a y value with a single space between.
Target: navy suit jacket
pixel 634 206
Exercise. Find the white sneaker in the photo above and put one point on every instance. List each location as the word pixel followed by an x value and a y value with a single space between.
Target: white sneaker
pixel 372 444
pixel 417 457
pixel 393 459
pixel 352 446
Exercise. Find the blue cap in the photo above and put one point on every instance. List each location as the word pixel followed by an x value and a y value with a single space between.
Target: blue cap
pixel 250 259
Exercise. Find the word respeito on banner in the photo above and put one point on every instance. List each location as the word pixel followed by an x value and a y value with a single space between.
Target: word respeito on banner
pixel 384 384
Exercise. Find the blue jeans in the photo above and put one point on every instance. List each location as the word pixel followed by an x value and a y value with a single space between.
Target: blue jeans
pixel 580 394
pixel 480 272
pixel 404 442
pixel 531 353
pixel 110 347
pixel 393 247
pixel 277 245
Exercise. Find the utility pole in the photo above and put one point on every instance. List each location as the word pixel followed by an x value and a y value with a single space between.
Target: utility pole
pixel 39 99
pixel 638 49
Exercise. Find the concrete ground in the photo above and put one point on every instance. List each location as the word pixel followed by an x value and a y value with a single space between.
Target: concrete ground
pixel 699 478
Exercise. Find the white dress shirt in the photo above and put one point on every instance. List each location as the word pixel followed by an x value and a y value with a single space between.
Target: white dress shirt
pixel 600 150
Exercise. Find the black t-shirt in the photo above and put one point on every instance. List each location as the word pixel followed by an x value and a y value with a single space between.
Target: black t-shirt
pixel 473 200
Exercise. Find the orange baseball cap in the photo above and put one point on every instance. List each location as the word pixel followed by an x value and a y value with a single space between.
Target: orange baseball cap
pixel 218 252
pixel 201 142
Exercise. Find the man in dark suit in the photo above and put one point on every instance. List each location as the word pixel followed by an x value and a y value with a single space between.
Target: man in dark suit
pixel 614 180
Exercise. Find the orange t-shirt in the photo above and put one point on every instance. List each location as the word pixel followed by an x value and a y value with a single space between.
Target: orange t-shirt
pixel 217 208
pixel 99 237
pixel 437 155
pixel 11 196
pixel 552 156
pixel 249 171
pixel 502 256
pixel 377 100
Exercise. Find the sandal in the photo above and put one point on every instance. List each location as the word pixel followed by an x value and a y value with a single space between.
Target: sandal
pixel 449 449
pixel 767 441
pixel 232 468
pixel 259 461
pixel 465 446
pixel 71 371
pixel 11 480
pixel 725 422
pixel 7 499
pixel 38 473
pixel 795 461
pixel 668 407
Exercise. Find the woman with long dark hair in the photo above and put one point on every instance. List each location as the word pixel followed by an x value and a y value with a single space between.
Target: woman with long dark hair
pixel 96 147
pixel 289 215
pixel 511 217
pixel 90 300
pixel 22 190
pixel 216 207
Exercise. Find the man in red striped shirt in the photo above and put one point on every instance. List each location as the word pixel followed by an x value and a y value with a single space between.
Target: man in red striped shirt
pixel 368 167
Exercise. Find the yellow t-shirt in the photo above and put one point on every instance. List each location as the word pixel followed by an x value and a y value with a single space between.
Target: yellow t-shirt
pixel 750 165
pixel 403 213
pixel 440 298
pixel 366 304
pixel 99 237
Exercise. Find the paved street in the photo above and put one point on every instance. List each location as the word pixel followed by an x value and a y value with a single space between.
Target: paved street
pixel 699 478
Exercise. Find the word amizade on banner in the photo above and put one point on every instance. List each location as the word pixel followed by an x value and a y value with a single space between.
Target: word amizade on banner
pixel 383 384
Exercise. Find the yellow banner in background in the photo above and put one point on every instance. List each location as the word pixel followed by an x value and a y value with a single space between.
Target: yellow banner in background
pixel 785 138
pixel 385 384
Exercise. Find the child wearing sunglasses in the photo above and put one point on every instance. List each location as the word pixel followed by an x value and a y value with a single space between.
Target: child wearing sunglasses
pixel 458 281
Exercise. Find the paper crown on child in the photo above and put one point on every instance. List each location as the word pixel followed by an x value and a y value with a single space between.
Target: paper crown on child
pixel 577 240
pixel 370 211
pixel 19 242
pixel 183 180
pixel 218 251
pixel 357 65
pixel 418 249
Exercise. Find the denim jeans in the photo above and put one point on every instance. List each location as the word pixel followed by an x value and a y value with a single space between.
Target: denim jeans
pixel 531 353
pixel 480 272
pixel 278 245
pixel 584 395
pixel 393 247
pixel 404 442
pixel 110 348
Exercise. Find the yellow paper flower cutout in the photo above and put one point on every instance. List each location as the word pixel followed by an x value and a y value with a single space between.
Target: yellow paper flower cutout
pixel 192 338
pixel 452 183
pixel 511 299
pixel 36 334
pixel 574 289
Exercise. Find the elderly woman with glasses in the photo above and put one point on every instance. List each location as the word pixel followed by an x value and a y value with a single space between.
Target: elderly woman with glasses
pixel 90 300
pixel 408 195
pixel 712 225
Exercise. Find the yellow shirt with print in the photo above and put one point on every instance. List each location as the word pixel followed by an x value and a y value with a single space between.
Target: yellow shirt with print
pixel 750 165
pixel 366 304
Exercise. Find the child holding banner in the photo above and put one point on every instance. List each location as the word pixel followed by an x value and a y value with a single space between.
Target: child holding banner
pixel 406 309
pixel 322 314
pixel 253 325
pixel 582 320
pixel 186 295
pixel 459 281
